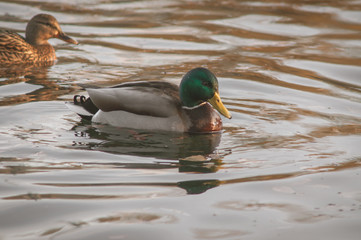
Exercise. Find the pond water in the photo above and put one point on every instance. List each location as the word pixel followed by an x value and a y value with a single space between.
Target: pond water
pixel 286 166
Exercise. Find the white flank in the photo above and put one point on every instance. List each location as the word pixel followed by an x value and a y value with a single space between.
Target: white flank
pixel 131 120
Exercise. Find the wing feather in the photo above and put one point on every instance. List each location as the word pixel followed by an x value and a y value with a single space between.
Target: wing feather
pixel 158 99
pixel 13 47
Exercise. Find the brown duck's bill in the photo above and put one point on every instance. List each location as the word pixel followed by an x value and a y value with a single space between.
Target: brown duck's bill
pixel 66 38
pixel 216 102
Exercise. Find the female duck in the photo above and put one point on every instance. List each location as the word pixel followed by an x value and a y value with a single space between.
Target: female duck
pixel 34 48
pixel 157 105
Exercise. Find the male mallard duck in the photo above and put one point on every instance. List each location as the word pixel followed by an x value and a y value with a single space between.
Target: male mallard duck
pixel 35 46
pixel 157 105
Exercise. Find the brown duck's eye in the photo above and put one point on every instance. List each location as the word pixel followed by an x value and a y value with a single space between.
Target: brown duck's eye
pixel 49 25
pixel 46 24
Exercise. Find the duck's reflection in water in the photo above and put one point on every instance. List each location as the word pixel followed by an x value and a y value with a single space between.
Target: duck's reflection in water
pixel 10 71
pixel 160 145
pixel 25 83
pixel 188 149
pixel 187 152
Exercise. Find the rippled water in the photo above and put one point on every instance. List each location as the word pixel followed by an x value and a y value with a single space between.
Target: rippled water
pixel 286 166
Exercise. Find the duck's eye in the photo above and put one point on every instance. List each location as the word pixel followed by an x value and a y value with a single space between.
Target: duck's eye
pixel 207 84
pixel 47 24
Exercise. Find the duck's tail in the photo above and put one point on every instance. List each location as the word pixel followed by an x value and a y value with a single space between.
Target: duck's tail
pixel 82 106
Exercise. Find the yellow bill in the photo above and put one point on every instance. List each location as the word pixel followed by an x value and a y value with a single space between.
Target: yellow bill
pixel 216 102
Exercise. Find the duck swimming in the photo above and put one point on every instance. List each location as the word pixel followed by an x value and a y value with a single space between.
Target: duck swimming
pixel 157 105
pixel 34 48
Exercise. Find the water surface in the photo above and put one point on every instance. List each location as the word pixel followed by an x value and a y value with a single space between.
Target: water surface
pixel 287 165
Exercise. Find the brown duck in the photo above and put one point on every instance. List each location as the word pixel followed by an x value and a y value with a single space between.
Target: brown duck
pixel 34 48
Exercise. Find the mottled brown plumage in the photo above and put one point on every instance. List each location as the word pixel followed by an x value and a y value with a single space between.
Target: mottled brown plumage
pixel 34 48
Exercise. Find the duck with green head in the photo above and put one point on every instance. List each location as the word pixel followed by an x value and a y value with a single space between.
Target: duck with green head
pixel 157 105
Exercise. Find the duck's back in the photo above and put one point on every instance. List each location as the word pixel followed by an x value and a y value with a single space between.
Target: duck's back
pixel 14 49
pixel 153 98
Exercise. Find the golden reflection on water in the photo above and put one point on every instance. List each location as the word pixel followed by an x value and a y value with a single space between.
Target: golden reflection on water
pixel 47 90
pixel 289 71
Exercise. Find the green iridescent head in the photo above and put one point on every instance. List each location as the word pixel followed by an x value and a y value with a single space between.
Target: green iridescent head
pixel 200 85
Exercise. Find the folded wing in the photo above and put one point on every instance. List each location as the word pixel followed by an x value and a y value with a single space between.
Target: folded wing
pixel 157 99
